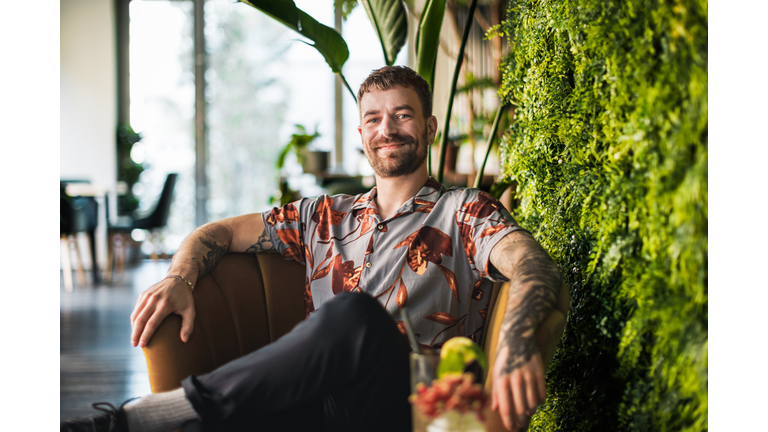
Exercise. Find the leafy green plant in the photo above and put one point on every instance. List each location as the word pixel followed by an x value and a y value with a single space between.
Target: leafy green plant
pixel 128 171
pixel 390 22
pixel 298 144
pixel 609 148
pixel 491 139
pixel 345 6
pixel 428 39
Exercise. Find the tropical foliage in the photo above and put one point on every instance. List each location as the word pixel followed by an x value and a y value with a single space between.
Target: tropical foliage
pixel 610 152
pixel 325 40
pixel 389 20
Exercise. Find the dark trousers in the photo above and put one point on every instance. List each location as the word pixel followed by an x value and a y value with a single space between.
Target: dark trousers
pixel 344 368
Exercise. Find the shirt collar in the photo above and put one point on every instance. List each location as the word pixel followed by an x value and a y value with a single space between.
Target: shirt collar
pixel 427 195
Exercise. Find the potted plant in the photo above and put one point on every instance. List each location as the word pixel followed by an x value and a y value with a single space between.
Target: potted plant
pixel 312 161
pixel 128 171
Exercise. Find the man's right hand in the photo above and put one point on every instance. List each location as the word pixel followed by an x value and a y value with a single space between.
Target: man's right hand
pixel 161 299
pixel 197 256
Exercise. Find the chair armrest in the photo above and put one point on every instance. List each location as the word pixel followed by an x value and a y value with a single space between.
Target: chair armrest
pixel 246 302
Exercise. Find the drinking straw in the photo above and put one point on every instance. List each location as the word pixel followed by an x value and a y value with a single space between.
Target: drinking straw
pixel 409 330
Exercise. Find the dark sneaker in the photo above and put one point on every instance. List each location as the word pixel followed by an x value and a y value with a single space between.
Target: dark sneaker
pixel 113 420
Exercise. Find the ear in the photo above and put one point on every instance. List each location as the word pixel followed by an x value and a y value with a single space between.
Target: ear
pixel 432 128
pixel 360 131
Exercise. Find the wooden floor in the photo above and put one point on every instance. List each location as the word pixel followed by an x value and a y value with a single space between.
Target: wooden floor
pixel 98 362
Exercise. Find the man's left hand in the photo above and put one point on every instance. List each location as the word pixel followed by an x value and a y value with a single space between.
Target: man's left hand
pixel 517 393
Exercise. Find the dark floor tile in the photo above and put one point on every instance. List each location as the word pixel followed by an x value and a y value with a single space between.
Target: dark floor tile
pixel 97 361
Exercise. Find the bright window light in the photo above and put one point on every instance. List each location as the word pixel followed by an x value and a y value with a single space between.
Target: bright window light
pixel 138 235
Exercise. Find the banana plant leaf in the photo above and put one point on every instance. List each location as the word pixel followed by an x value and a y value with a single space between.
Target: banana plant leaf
pixel 428 39
pixel 327 41
pixel 390 21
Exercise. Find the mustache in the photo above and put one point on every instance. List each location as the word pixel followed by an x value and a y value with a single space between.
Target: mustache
pixel 392 139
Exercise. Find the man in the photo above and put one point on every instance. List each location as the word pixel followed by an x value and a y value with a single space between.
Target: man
pixel 408 242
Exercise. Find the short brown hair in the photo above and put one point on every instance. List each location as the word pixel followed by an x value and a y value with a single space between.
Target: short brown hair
pixel 389 76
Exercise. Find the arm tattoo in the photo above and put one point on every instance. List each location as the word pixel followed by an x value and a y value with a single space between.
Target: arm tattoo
pixel 533 291
pixel 263 244
pixel 212 258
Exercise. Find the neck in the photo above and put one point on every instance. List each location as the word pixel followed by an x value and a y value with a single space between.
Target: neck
pixel 391 193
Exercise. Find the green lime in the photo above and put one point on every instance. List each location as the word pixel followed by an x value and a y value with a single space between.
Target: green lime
pixel 457 353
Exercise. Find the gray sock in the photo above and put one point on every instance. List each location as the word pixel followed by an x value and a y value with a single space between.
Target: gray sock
pixel 159 412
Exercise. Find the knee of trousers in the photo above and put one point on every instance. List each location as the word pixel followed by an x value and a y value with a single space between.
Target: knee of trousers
pixel 353 312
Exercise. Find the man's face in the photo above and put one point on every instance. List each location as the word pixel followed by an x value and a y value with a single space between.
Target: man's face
pixel 394 131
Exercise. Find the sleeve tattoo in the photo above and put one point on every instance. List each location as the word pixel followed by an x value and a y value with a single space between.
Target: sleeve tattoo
pixel 213 257
pixel 534 287
pixel 263 244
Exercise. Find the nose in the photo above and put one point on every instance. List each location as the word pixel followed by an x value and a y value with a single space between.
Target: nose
pixel 387 127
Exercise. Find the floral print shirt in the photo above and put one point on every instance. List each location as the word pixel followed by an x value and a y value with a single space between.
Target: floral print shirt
pixel 432 255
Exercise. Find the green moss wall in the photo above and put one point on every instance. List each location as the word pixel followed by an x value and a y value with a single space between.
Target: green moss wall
pixel 609 148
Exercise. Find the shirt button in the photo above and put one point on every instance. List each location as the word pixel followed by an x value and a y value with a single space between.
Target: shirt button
pixel 380 227
pixel 368 265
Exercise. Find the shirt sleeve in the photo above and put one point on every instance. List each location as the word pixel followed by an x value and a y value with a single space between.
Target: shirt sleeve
pixel 483 222
pixel 286 226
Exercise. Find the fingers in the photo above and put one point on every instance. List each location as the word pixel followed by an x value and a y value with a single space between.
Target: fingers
pixel 158 302
pixel 541 382
pixel 139 322
pixel 139 307
pixel 147 321
pixel 152 323
pixel 187 323
pixel 153 310
pixel 531 394
pixel 518 394
pixel 504 403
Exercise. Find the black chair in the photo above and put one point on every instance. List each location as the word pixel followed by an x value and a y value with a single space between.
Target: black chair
pixel 76 215
pixel 154 221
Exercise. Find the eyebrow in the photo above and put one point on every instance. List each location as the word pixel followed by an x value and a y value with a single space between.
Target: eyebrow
pixel 397 108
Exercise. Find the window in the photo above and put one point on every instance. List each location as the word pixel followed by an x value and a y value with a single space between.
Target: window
pixel 259 83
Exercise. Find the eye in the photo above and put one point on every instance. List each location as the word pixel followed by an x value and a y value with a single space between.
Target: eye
pixel 404 116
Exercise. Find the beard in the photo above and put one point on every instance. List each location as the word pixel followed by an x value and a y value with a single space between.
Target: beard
pixel 399 162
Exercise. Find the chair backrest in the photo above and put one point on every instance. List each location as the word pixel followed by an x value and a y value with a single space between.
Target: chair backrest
pixel 159 216
pixel 76 214
pixel 246 302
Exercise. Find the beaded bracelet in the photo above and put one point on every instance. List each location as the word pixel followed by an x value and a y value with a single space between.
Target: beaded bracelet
pixel 192 287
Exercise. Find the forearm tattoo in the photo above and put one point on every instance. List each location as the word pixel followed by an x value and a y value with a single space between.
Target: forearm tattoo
pixel 534 287
pixel 212 258
pixel 263 244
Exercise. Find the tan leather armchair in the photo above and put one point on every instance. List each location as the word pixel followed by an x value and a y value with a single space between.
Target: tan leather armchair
pixel 250 300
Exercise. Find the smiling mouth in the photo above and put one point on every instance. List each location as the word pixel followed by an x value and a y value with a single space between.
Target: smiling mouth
pixel 391 146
